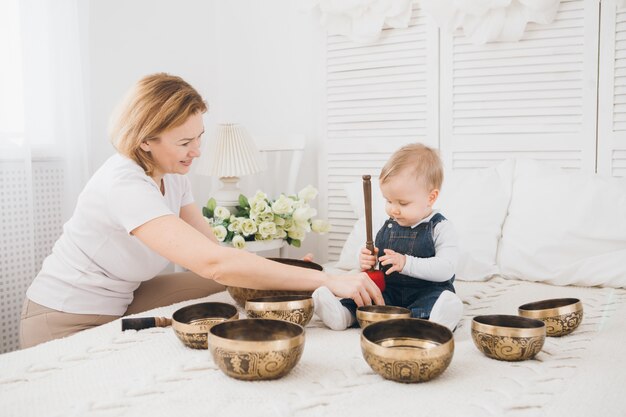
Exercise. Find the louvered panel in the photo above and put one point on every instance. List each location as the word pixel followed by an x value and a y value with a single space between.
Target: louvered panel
pixel 612 92
pixel 618 163
pixel 379 97
pixel 504 98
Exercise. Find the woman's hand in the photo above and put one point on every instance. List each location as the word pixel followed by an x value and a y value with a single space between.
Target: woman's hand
pixel 367 261
pixel 308 257
pixel 393 258
pixel 359 287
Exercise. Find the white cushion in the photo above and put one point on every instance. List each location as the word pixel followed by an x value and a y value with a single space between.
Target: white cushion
pixel 475 202
pixel 565 228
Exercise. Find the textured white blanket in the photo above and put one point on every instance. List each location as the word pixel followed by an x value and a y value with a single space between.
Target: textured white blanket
pixel 104 372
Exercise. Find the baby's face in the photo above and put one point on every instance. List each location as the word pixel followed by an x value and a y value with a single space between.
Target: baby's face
pixel 407 199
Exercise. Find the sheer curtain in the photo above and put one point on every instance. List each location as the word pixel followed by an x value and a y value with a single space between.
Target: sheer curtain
pixel 43 142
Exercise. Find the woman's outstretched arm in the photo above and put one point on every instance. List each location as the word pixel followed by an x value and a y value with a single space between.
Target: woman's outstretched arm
pixel 182 244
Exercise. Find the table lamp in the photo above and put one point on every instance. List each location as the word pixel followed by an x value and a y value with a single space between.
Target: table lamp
pixel 232 155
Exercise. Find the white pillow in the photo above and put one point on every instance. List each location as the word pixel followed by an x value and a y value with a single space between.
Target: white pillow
pixel 565 228
pixel 475 202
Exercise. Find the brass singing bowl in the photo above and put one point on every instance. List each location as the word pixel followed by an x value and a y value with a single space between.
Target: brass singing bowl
pixel 294 308
pixel 192 323
pixel 407 350
pixel 367 315
pixel 241 295
pixel 256 349
pixel 561 315
pixel 508 338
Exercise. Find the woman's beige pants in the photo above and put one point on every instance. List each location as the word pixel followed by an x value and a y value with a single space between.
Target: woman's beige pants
pixel 39 324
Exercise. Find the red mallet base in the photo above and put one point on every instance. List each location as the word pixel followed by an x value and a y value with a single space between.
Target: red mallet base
pixel 378 277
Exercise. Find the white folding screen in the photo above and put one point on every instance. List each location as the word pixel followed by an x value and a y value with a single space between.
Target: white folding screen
pixel 533 98
pixel 612 91
pixel 378 97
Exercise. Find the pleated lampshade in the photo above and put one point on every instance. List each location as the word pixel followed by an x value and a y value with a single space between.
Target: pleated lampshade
pixel 234 153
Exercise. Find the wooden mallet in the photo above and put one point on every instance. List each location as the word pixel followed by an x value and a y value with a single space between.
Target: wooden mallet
pixel 375 275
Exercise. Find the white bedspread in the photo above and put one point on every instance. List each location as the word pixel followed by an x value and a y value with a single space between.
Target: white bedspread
pixel 104 372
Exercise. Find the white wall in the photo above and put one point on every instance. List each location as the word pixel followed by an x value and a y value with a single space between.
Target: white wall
pixel 256 63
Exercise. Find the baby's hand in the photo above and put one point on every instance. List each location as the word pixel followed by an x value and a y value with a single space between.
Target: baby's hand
pixel 395 259
pixel 366 259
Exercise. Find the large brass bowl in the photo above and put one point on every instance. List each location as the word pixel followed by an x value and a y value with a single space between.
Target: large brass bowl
pixel 561 315
pixel 508 338
pixel 367 315
pixel 407 350
pixel 294 308
pixel 192 323
pixel 241 295
pixel 256 349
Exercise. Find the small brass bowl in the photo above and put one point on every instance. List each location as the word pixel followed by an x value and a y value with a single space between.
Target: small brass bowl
pixel 192 323
pixel 407 350
pixel 294 308
pixel 561 315
pixel 508 338
pixel 367 315
pixel 241 295
pixel 256 349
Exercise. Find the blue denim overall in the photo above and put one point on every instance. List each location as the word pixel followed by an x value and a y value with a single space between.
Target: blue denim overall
pixel 416 294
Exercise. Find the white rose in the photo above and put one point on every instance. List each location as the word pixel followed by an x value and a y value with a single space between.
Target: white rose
pixel 235 224
pixel 239 242
pixel 297 234
pixel 265 217
pixel 209 221
pixel 248 227
pixel 320 226
pixel 303 214
pixel 283 205
pixel 258 206
pixel 280 233
pixel 220 232
pixel 260 195
pixel 308 193
pixel 221 213
pixel 267 229
pixel 279 221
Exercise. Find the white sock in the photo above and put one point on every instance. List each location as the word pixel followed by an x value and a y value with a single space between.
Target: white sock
pixel 330 310
pixel 447 310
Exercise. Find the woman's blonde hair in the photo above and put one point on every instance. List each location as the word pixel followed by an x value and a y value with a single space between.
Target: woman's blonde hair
pixel 424 162
pixel 157 103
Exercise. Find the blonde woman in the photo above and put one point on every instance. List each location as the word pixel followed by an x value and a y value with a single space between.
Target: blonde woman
pixel 135 215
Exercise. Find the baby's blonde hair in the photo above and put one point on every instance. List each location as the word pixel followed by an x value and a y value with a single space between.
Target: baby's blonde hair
pixel 157 103
pixel 424 163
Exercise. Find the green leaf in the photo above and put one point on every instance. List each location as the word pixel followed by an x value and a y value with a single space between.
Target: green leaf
pixel 210 206
pixel 206 212
pixel 295 242
pixel 243 201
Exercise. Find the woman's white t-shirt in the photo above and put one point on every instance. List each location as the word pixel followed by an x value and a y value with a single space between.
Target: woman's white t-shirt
pixel 96 264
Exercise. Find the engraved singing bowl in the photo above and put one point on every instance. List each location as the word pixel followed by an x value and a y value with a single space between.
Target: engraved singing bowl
pixel 508 338
pixel 367 315
pixel 241 295
pixel 256 349
pixel 192 323
pixel 294 308
pixel 407 350
pixel 561 315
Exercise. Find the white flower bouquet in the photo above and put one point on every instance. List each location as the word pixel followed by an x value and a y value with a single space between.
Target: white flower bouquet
pixel 260 219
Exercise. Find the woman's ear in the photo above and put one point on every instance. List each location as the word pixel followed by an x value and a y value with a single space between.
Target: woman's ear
pixel 145 146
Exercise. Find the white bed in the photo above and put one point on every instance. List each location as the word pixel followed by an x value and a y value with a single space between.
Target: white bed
pixel 104 372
